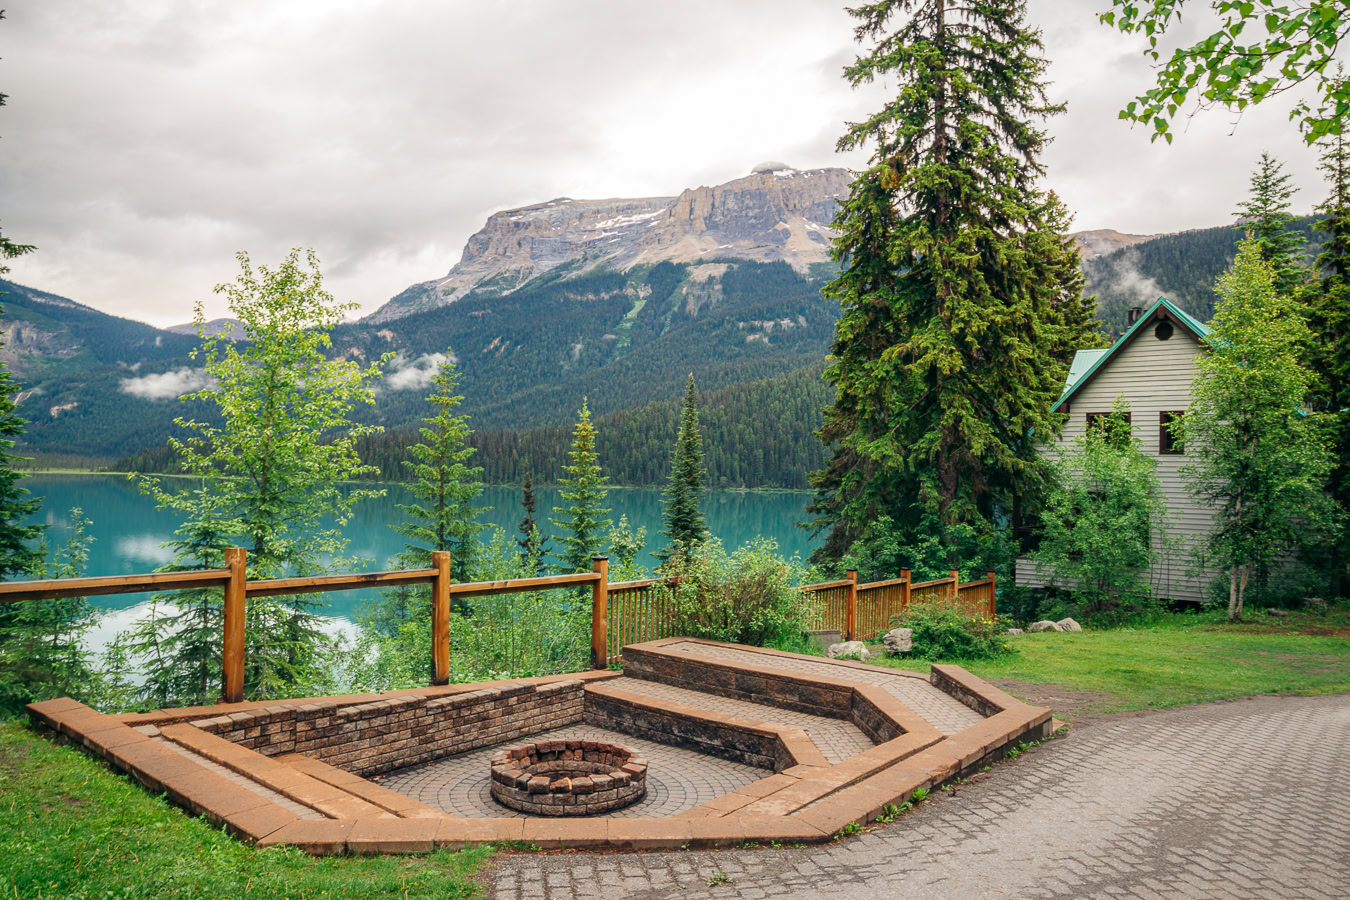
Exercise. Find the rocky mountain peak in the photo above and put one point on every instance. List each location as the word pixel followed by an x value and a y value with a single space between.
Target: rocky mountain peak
pixel 776 213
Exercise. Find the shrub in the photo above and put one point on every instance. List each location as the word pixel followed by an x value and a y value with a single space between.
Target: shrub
pixel 945 630
pixel 746 597
pixel 1104 525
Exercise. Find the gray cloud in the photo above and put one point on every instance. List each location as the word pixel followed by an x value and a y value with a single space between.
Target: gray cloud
pixel 406 374
pixel 166 385
pixel 145 142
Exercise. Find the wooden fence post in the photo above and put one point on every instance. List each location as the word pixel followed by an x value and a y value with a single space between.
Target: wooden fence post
pixel 851 606
pixel 232 655
pixel 993 595
pixel 440 618
pixel 955 576
pixel 600 613
pixel 904 588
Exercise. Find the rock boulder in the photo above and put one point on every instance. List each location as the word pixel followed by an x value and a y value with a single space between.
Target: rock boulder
pixel 899 640
pixel 848 650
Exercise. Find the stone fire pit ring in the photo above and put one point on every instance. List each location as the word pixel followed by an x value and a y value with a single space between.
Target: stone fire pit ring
pixel 568 778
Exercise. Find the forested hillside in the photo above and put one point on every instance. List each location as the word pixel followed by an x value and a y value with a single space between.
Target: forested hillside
pixel 528 358
pixel 760 434
pixel 756 435
pixel 1181 267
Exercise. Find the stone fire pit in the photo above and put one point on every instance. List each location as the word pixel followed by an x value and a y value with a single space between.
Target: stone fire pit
pixel 568 778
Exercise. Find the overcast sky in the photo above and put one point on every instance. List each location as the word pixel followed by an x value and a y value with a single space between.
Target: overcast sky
pixel 146 141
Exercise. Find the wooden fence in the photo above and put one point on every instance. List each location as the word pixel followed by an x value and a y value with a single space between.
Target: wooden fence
pixel 622 613
pixel 864 611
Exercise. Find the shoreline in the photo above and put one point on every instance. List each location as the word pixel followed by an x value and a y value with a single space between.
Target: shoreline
pixel 25 473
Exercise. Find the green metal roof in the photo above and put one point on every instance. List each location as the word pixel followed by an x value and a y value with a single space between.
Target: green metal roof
pixel 1086 362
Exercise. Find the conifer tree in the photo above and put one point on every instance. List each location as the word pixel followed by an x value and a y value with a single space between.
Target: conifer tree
pixel 583 522
pixel 444 485
pixel 685 526
pixel 961 298
pixel 1327 301
pixel 42 642
pixel 533 545
pixel 18 542
pixel 1265 215
pixel 178 640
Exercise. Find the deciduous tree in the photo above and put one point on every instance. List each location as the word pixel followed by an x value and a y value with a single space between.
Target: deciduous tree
pixel 271 470
pixel 1261 49
pixel 1260 457
pixel 1104 522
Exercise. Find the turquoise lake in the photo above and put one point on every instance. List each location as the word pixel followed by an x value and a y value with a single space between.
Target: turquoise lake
pixel 129 532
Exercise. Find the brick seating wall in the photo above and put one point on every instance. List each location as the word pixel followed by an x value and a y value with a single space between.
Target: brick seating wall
pixel 371 738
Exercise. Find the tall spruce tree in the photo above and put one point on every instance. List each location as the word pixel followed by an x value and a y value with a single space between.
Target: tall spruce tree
pixel 583 522
pixel 1265 216
pixel 686 527
pixel 1327 302
pixel 443 485
pixel 961 297
pixel 533 544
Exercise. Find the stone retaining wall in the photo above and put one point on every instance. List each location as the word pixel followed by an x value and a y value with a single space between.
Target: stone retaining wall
pixel 370 738
pixel 814 696
pixel 670 723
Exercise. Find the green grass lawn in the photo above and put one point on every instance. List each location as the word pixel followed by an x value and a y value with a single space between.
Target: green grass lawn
pixel 70 828
pixel 1186 658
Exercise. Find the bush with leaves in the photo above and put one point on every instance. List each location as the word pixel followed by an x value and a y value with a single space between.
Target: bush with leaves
pixel 946 630
pixel 1104 525
pixel 749 596
pixel 932 551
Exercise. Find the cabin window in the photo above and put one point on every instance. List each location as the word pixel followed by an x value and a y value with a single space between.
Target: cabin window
pixel 1163 331
pixel 1101 421
pixel 1169 443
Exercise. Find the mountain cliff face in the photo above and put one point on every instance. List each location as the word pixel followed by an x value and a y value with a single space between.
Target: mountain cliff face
pixel 774 214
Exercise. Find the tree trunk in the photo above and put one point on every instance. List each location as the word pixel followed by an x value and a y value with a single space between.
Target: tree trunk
pixel 1232 594
pixel 1242 589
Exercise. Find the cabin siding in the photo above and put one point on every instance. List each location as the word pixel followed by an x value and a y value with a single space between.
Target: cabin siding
pixel 1153 376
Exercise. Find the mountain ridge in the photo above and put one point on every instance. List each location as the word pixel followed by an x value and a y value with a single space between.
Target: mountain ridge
pixel 770 215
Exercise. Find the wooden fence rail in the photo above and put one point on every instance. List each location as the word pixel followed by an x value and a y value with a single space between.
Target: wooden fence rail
pixel 621 613
pixel 238 589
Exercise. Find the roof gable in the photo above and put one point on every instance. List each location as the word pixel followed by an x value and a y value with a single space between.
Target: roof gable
pixel 1087 363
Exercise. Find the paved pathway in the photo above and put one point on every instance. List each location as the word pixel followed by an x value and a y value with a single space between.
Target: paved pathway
pixel 1235 800
pixel 677 779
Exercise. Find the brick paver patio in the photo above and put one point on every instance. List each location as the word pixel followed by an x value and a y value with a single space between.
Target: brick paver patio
pixel 1236 800
pixel 943 710
pixel 677 779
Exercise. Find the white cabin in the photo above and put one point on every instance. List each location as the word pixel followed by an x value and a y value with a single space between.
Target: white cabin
pixel 1151 366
